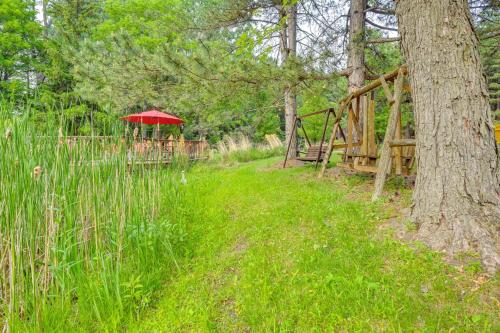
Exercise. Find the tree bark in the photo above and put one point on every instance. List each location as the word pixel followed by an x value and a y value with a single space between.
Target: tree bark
pixel 356 52
pixel 290 97
pixel 45 18
pixel 456 203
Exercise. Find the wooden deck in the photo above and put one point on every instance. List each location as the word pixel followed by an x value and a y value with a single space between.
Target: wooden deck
pixel 138 152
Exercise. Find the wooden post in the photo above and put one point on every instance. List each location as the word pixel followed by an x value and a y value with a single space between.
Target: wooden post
pixel 323 136
pixel 336 125
pixel 305 134
pixel 350 129
pixel 290 141
pixel 372 147
pixel 364 146
pixel 384 164
pixel 398 150
pixel 387 90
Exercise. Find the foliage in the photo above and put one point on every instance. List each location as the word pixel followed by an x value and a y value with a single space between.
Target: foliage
pixel 20 46
pixel 81 239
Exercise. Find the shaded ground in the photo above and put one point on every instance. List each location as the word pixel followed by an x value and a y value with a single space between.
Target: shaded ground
pixel 278 250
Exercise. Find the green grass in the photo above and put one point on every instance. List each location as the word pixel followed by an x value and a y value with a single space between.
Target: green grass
pixel 80 243
pixel 247 155
pixel 278 250
pixel 241 247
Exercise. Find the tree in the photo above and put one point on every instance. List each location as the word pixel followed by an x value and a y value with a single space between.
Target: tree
pixel 19 44
pixel 456 203
pixel 289 52
pixel 356 51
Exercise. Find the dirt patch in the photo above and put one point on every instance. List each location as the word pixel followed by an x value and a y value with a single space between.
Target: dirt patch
pixel 240 247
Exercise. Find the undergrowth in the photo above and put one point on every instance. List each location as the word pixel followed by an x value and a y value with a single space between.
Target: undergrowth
pixel 82 230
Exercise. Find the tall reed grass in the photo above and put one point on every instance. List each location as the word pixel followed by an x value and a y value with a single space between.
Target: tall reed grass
pixel 241 149
pixel 83 245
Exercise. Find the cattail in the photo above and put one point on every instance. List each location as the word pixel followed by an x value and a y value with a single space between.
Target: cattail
pixel 37 171
pixel 8 133
pixel 60 136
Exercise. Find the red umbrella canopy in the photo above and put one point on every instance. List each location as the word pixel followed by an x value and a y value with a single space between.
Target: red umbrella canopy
pixel 153 117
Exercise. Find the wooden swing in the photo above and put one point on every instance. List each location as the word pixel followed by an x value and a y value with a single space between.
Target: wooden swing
pixel 314 153
pixel 396 155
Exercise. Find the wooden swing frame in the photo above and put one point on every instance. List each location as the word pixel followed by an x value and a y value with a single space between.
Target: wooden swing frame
pixel 396 155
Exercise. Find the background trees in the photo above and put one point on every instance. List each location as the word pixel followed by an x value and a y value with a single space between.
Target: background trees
pixel 20 47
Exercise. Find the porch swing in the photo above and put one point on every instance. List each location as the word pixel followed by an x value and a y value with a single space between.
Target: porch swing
pixel 314 152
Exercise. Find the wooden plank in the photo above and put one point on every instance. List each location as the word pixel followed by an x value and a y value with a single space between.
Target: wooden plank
pixel 403 142
pixel 398 151
pixel 366 168
pixel 344 145
pixel 355 122
pixel 387 90
pixel 377 83
pixel 385 158
pixel 345 165
pixel 350 127
pixel 372 147
pixel 364 146
pixel 315 113
pixel 354 154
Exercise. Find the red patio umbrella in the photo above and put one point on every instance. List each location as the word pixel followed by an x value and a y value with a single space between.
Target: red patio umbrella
pixel 153 117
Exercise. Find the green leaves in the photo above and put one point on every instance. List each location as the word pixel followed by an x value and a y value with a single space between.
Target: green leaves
pixel 19 40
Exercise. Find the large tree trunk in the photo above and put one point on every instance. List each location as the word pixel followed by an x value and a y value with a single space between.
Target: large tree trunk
pixel 290 97
pixel 457 195
pixel 356 52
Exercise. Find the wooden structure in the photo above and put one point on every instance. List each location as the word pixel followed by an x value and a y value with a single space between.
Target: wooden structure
pixel 315 152
pixel 142 151
pixel 396 154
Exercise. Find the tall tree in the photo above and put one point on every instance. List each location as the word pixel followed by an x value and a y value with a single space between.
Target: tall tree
pixel 356 50
pixel 289 38
pixel 19 45
pixel 457 194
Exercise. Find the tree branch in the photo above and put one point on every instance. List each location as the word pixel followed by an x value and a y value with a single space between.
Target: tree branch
pixel 379 26
pixel 383 40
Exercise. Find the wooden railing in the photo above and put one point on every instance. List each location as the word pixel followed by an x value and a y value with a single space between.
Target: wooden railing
pixel 143 150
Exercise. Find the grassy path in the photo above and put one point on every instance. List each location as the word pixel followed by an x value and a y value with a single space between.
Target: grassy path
pixel 277 250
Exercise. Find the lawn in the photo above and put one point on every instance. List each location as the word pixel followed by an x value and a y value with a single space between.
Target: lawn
pixel 279 250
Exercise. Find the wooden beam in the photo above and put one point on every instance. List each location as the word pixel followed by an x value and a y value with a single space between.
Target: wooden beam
pixel 387 91
pixel 343 104
pixel 402 143
pixel 290 141
pixel 366 168
pixel 315 113
pixel 384 164
pixel 355 122
pixel 344 145
pixel 364 146
pixel 323 136
pixel 377 83
pixel 398 151
pixel 350 130
pixel 372 146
